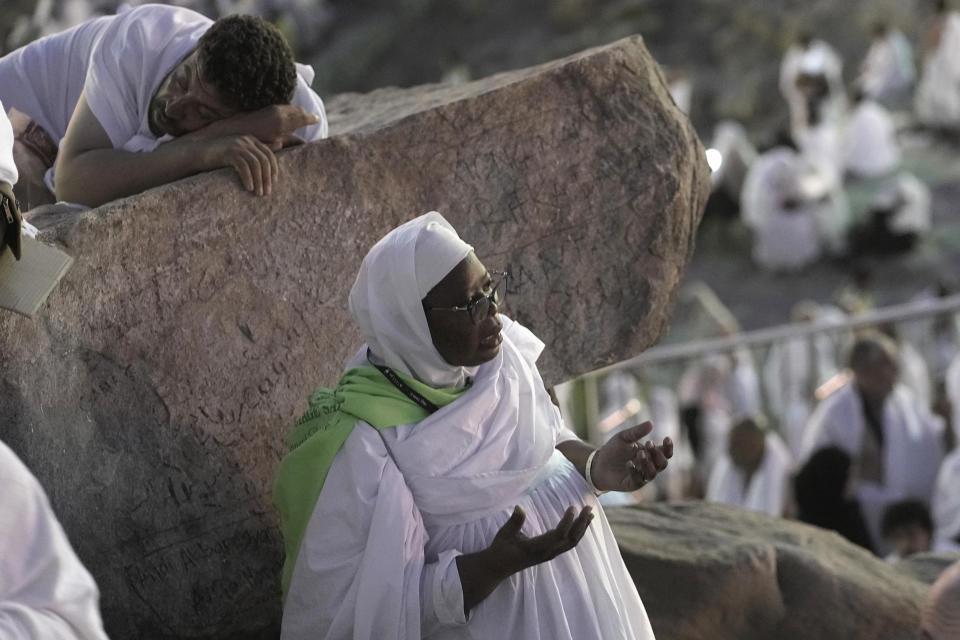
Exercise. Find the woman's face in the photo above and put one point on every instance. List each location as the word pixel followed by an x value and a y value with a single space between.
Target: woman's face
pixel 461 341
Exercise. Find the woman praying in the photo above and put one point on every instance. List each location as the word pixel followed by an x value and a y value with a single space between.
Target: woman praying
pixel 436 492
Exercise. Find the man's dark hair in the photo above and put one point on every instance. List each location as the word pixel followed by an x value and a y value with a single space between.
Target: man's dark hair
pixel 247 61
pixel 905 513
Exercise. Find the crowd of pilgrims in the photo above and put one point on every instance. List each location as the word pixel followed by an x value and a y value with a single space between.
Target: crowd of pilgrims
pixel 850 430
pixel 834 185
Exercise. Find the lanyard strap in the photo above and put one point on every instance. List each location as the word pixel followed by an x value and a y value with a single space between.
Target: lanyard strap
pixel 395 380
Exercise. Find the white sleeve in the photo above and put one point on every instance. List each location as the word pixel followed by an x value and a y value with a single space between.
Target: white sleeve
pixel 361 571
pixel 8 170
pixel 307 98
pixel 45 591
pixel 114 76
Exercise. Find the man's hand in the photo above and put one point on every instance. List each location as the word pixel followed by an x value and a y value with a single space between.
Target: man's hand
pixel 247 142
pixel 273 125
pixel 624 464
pixel 254 162
pixel 513 551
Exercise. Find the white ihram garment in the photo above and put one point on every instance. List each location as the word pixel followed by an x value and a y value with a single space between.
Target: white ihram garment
pixel 887 69
pixel 767 490
pixel 870 146
pixel 937 98
pixel 378 558
pixel 911 452
pixel 45 591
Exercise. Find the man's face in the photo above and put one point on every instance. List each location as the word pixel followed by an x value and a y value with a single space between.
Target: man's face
pixel 909 539
pixel 185 102
pixel 460 340
pixel 878 381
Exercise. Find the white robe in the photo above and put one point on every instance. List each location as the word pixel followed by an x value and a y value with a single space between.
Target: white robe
pixel 793 370
pixel 783 238
pixel 45 591
pixel 120 62
pixel 378 559
pixel 818 58
pixel 8 170
pixel 945 506
pixel 870 147
pixel 937 98
pixel 887 70
pixel 768 488
pixel 911 453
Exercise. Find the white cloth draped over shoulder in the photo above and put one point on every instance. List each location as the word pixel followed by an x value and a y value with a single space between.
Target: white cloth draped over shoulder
pixel 119 62
pixel 8 170
pixel 378 559
pixel 45 591
pixel 911 452
pixel 768 487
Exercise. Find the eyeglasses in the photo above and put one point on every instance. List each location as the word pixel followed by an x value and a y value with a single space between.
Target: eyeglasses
pixel 479 307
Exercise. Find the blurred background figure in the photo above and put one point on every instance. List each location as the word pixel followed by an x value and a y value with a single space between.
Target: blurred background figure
pixel 887 71
pixel 811 81
pixel 793 210
pixel 825 495
pixel 754 471
pixel 937 99
pixel 895 441
pixel 796 367
pixel 730 155
pixel 907 529
pixel 870 147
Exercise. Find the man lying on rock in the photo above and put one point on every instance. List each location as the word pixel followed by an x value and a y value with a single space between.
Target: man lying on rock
pixel 120 104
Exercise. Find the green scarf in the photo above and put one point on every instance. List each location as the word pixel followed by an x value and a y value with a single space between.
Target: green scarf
pixel 362 393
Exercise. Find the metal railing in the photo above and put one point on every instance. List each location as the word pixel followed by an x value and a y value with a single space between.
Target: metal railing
pixel 683 352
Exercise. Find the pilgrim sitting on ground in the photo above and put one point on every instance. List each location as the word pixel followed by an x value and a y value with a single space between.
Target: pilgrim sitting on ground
pixel 122 103
pixel 754 472
pixel 907 529
pixel 436 492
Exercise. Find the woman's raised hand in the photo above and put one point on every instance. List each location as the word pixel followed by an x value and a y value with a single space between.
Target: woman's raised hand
pixel 517 551
pixel 626 464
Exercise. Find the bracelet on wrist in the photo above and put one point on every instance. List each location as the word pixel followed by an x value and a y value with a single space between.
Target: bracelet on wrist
pixel 587 474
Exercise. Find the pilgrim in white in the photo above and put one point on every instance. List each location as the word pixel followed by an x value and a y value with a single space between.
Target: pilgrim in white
pixel 45 591
pixel 466 513
pixel 135 78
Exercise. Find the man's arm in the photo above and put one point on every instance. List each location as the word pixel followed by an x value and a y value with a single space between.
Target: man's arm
pixel 90 171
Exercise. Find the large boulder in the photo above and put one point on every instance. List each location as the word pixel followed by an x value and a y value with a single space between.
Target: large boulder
pixel 152 393
pixel 715 572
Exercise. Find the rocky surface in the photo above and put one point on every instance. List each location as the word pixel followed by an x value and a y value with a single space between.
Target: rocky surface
pixel 152 393
pixel 714 572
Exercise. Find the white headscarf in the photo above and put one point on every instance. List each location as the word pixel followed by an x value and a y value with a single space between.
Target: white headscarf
pixel 386 297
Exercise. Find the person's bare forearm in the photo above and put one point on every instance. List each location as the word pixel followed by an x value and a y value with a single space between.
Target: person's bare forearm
pixel 480 573
pixel 100 175
pixel 577 452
